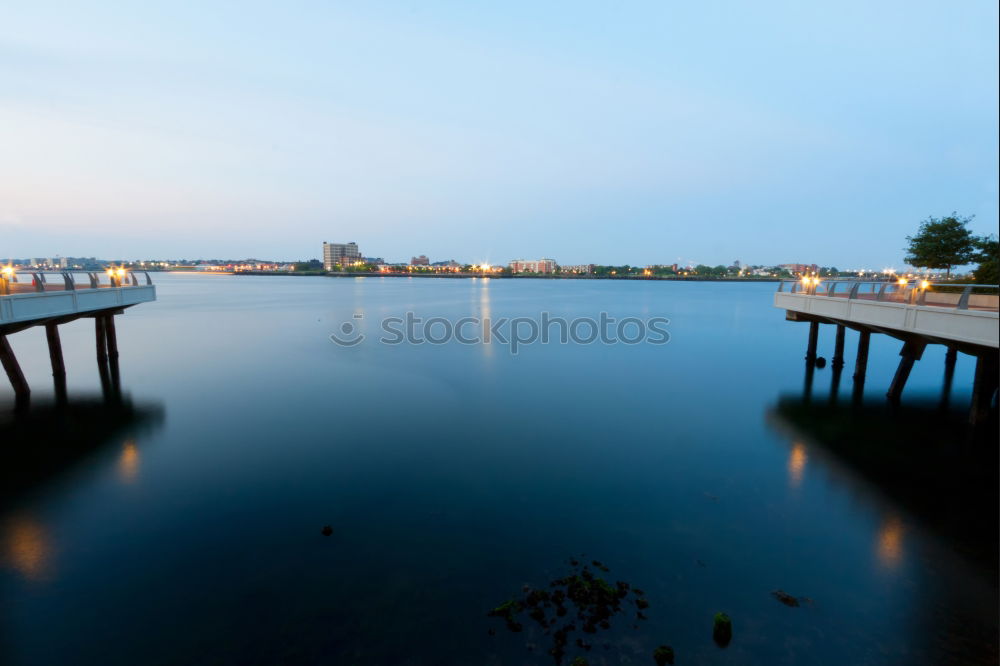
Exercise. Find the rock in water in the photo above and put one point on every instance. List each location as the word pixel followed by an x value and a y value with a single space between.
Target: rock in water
pixel 785 598
pixel 722 631
pixel 663 655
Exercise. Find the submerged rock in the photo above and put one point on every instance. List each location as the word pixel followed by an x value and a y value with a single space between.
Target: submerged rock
pixel 722 630
pixel 327 530
pixel 785 598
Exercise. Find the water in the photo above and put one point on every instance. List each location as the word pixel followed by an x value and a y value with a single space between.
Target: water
pixel 183 525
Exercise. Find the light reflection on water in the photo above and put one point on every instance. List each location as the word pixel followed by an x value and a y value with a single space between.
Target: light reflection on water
pixel 890 542
pixel 128 462
pixel 797 458
pixel 28 548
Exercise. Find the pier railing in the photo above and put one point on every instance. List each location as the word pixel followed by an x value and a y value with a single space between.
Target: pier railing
pixel 25 282
pixel 956 296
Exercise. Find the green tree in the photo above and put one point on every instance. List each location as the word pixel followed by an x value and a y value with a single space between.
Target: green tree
pixel 941 243
pixel 988 256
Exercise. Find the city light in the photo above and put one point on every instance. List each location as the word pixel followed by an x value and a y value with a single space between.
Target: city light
pixel 925 284
pixel 8 272
pixel 901 282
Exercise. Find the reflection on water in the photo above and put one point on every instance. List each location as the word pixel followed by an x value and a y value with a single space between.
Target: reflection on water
pixel 45 439
pixel 128 462
pixel 484 309
pixel 41 441
pixel 797 458
pixel 918 455
pixel 890 542
pixel 27 547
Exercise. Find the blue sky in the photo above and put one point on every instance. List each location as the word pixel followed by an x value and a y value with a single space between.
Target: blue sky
pixel 587 132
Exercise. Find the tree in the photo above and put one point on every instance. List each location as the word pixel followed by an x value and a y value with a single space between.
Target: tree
pixel 988 256
pixel 941 243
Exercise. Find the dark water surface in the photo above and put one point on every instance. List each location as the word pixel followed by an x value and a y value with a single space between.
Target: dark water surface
pixel 182 524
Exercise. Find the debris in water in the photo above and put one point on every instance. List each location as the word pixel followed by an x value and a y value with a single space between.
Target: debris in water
pixel 722 630
pixel 785 598
pixel 582 601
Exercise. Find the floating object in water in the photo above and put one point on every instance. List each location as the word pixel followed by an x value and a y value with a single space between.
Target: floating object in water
pixel 785 598
pixel 663 655
pixel 820 362
pixel 722 630
pixel 327 530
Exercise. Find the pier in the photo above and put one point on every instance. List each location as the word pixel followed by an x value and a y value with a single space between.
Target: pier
pixel 33 299
pixel 963 317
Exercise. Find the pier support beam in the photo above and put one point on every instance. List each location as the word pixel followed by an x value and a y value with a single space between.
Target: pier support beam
pixel 813 338
pixel 911 353
pixel 838 348
pixel 950 357
pixel 983 387
pixel 101 337
pixel 861 364
pixel 112 338
pixel 13 369
pixel 56 358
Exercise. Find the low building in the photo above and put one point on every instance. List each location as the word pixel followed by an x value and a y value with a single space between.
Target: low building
pixel 579 269
pixel 422 260
pixel 543 266
pixel 799 269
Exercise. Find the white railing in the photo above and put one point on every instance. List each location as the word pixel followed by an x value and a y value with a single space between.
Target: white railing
pixel 952 295
pixel 22 282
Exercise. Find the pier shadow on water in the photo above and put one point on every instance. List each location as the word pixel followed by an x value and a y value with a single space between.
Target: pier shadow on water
pixel 933 471
pixel 43 440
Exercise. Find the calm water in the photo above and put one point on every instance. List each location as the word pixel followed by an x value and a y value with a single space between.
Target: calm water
pixel 182 526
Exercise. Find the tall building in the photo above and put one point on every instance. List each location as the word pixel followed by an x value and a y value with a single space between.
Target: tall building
pixel 343 254
pixel 422 260
pixel 533 266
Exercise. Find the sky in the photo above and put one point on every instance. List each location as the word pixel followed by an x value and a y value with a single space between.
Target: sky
pixel 588 132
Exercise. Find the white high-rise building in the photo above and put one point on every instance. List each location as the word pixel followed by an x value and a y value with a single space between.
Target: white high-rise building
pixel 343 254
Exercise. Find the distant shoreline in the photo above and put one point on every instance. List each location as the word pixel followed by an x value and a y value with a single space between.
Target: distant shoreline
pixel 466 276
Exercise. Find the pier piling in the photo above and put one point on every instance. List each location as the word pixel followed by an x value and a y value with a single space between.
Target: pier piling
pixel 112 342
pixel 101 336
pixel 838 348
pixel 983 388
pixel 813 338
pixel 910 353
pixel 13 369
pixel 56 358
pixel 861 363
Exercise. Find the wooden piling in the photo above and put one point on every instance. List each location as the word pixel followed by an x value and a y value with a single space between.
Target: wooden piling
pixel 838 348
pixel 861 364
pixel 983 387
pixel 55 350
pixel 13 369
pixel 101 336
pixel 813 339
pixel 910 353
pixel 112 336
pixel 56 358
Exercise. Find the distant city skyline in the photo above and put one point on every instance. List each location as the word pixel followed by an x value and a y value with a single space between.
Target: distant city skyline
pixel 655 133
